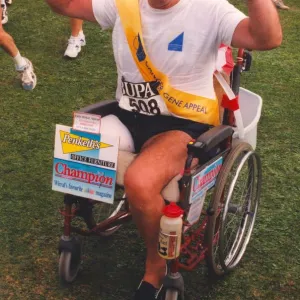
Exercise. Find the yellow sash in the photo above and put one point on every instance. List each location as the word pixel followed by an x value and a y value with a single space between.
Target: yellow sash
pixel 179 103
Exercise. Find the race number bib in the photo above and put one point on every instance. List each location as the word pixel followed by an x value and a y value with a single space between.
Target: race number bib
pixel 143 98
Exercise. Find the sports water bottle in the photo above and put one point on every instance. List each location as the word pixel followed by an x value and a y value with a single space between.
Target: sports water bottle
pixel 170 232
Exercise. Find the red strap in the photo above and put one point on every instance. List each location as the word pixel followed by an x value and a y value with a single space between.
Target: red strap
pixel 230 104
pixel 229 64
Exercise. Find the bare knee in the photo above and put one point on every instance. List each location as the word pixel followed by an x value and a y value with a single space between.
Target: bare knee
pixel 140 190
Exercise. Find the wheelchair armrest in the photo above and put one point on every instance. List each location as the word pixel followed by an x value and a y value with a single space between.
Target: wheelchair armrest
pixel 102 108
pixel 210 139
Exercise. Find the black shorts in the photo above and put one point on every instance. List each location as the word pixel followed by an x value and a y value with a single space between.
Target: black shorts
pixel 143 127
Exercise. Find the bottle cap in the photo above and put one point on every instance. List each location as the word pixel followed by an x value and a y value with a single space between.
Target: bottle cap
pixel 172 210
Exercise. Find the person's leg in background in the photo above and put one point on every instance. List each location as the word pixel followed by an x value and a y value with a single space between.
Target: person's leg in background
pixel 22 64
pixel 77 39
pixel 4 16
pixel 279 4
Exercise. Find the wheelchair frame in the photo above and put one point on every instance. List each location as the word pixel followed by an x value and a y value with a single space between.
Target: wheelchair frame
pixel 194 241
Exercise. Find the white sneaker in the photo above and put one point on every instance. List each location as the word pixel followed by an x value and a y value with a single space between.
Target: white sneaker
pixel 279 4
pixel 4 17
pixel 9 2
pixel 27 75
pixel 74 45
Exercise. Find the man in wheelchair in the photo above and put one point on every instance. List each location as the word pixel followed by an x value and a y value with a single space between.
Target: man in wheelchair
pixel 165 51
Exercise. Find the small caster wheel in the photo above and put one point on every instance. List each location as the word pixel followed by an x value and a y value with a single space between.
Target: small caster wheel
pixel 69 262
pixel 172 294
pixel 174 286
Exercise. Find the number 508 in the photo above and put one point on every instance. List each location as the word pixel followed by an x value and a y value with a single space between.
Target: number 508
pixel 150 107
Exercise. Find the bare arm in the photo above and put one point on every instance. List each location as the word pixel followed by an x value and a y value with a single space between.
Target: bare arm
pixel 81 9
pixel 262 30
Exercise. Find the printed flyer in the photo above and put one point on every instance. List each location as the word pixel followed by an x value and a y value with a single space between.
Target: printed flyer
pixel 204 180
pixel 85 164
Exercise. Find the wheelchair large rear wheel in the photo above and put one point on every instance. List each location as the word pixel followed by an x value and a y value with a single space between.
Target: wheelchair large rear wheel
pixel 235 203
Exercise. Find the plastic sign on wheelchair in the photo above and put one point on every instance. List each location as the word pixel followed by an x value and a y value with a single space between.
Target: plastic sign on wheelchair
pixel 201 182
pixel 204 180
pixel 86 122
pixel 85 164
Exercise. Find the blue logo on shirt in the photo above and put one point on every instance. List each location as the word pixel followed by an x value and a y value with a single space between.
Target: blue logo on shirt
pixel 140 53
pixel 177 43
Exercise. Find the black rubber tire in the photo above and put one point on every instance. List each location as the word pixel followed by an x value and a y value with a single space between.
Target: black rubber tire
pixel 171 294
pixel 68 267
pixel 244 213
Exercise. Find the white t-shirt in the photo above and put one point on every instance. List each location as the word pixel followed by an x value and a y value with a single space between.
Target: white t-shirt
pixel 182 42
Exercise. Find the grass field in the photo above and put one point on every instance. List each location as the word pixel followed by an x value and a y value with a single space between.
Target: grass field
pixel 30 225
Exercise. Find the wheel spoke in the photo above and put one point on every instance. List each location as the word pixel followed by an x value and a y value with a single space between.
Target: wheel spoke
pixel 237 194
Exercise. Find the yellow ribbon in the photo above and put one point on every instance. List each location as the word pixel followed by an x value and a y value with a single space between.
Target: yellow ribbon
pixel 179 103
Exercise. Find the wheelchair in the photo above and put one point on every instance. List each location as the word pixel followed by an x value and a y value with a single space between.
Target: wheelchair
pixel 221 233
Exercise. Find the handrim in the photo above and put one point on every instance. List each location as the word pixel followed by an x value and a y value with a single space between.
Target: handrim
pixel 249 212
pixel 215 261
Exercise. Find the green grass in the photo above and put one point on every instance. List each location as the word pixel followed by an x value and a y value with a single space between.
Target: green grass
pixel 30 225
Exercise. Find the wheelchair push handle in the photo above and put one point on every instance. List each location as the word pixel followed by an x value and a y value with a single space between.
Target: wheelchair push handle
pixel 234 116
pixel 243 63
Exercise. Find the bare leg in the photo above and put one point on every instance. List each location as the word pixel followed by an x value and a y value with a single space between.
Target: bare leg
pixel 23 65
pixel 76 26
pixel 159 161
pixel 6 41
pixel 77 39
pixel 8 44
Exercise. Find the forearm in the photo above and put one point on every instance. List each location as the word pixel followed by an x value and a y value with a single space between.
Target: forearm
pixel 264 24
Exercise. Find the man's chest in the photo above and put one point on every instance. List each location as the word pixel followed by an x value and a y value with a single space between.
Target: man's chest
pixel 176 48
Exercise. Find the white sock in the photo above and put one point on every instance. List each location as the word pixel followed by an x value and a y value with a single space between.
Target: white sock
pixel 79 34
pixel 19 61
